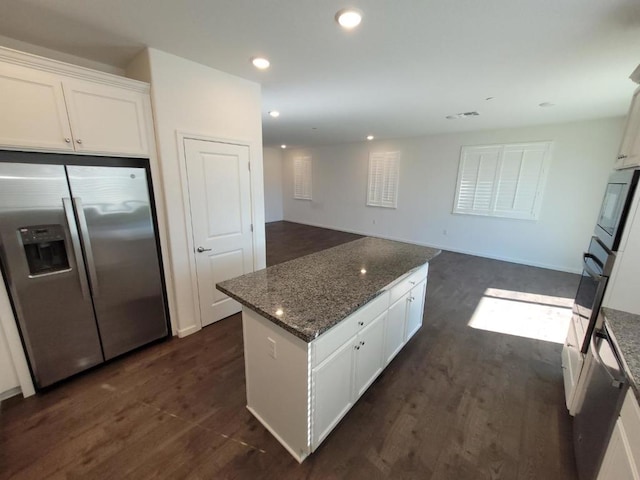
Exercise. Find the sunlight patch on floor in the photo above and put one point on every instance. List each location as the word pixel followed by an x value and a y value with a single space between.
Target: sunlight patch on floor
pixel 540 317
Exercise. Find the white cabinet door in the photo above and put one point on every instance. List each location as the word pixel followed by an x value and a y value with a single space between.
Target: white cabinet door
pixel 618 462
pixel 369 348
pixel 395 327
pixel 416 308
pixel 32 110
pixel 106 120
pixel 332 390
pixel 629 155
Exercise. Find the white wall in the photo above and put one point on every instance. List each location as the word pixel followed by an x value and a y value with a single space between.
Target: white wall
pixel 8 377
pixel 583 156
pixel 624 285
pixel 272 184
pixel 194 99
pixel 56 55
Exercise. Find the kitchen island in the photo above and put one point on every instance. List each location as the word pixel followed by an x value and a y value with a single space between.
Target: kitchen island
pixel 319 329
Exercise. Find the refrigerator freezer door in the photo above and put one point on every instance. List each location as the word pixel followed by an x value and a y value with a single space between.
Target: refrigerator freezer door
pixel 118 237
pixel 44 272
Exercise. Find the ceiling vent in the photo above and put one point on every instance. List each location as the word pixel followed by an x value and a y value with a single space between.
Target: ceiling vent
pixel 462 115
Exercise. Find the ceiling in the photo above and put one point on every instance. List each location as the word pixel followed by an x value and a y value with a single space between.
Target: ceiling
pixel 399 74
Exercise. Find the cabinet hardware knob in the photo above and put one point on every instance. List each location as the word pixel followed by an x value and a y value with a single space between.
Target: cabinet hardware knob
pixel 79 141
pixel 361 323
pixel 357 347
pixel 412 282
pixel 362 343
pixel 68 140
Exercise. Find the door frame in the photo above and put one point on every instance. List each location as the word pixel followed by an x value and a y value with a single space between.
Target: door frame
pixel 181 136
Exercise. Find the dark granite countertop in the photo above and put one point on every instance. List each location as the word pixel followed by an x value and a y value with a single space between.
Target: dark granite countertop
pixel 625 329
pixel 311 294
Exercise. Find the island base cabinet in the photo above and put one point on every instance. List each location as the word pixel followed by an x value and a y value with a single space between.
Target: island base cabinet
pixel 416 308
pixel 369 347
pixel 395 326
pixel 277 372
pixel 300 390
pixel 332 384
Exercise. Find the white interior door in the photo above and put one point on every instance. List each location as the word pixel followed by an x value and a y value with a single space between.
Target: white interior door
pixel 220 197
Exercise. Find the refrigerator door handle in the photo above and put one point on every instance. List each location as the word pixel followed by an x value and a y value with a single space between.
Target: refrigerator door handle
pixel 86 242
pixel 77 250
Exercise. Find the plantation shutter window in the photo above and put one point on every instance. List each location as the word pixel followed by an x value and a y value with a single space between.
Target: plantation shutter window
pixel 502 180
pixel 302 178
pixel 384 175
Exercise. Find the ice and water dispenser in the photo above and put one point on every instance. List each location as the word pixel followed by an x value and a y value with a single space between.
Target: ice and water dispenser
pixel 44 246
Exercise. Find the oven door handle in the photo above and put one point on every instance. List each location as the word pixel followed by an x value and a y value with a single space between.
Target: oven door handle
pixel 594 258
pixel 597 276
pixel 615 382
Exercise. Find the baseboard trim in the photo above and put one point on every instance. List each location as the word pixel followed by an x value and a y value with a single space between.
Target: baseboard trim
pixel 12 392
pixel 185 332
pixel 294 454
pixel 445 247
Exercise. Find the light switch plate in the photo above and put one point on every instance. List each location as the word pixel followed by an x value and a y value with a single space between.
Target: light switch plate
pixel 272 347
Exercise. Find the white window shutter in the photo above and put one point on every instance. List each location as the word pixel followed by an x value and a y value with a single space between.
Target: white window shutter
pixel 502 180
pixel 384 176
pixel 476 182
pixel 302 178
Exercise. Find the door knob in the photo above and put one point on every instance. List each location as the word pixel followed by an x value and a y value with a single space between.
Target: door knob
pixel 202 249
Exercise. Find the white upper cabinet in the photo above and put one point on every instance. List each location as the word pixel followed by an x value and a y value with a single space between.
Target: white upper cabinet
pixel 105 119
pixel 629 155
pixel 33 110
pixel 51 106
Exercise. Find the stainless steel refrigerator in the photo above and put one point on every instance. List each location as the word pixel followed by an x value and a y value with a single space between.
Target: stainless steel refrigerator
pixel 80 257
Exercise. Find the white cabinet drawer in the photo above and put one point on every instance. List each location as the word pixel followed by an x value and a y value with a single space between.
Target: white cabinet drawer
pixel 407 283
pixel 332 339
pixel 630 417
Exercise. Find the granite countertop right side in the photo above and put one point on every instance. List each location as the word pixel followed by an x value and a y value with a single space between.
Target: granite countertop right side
pixel 624 327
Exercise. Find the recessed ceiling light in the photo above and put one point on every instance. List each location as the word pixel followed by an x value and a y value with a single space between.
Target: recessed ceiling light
pixel 349 18
pixel 546 104
pixel 283 146
pixel 274 113
pixel 370 137
pixel 260 62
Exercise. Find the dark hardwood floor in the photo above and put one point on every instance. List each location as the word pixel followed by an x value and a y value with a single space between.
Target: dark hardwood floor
pixel 287 240
pixel 457 403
